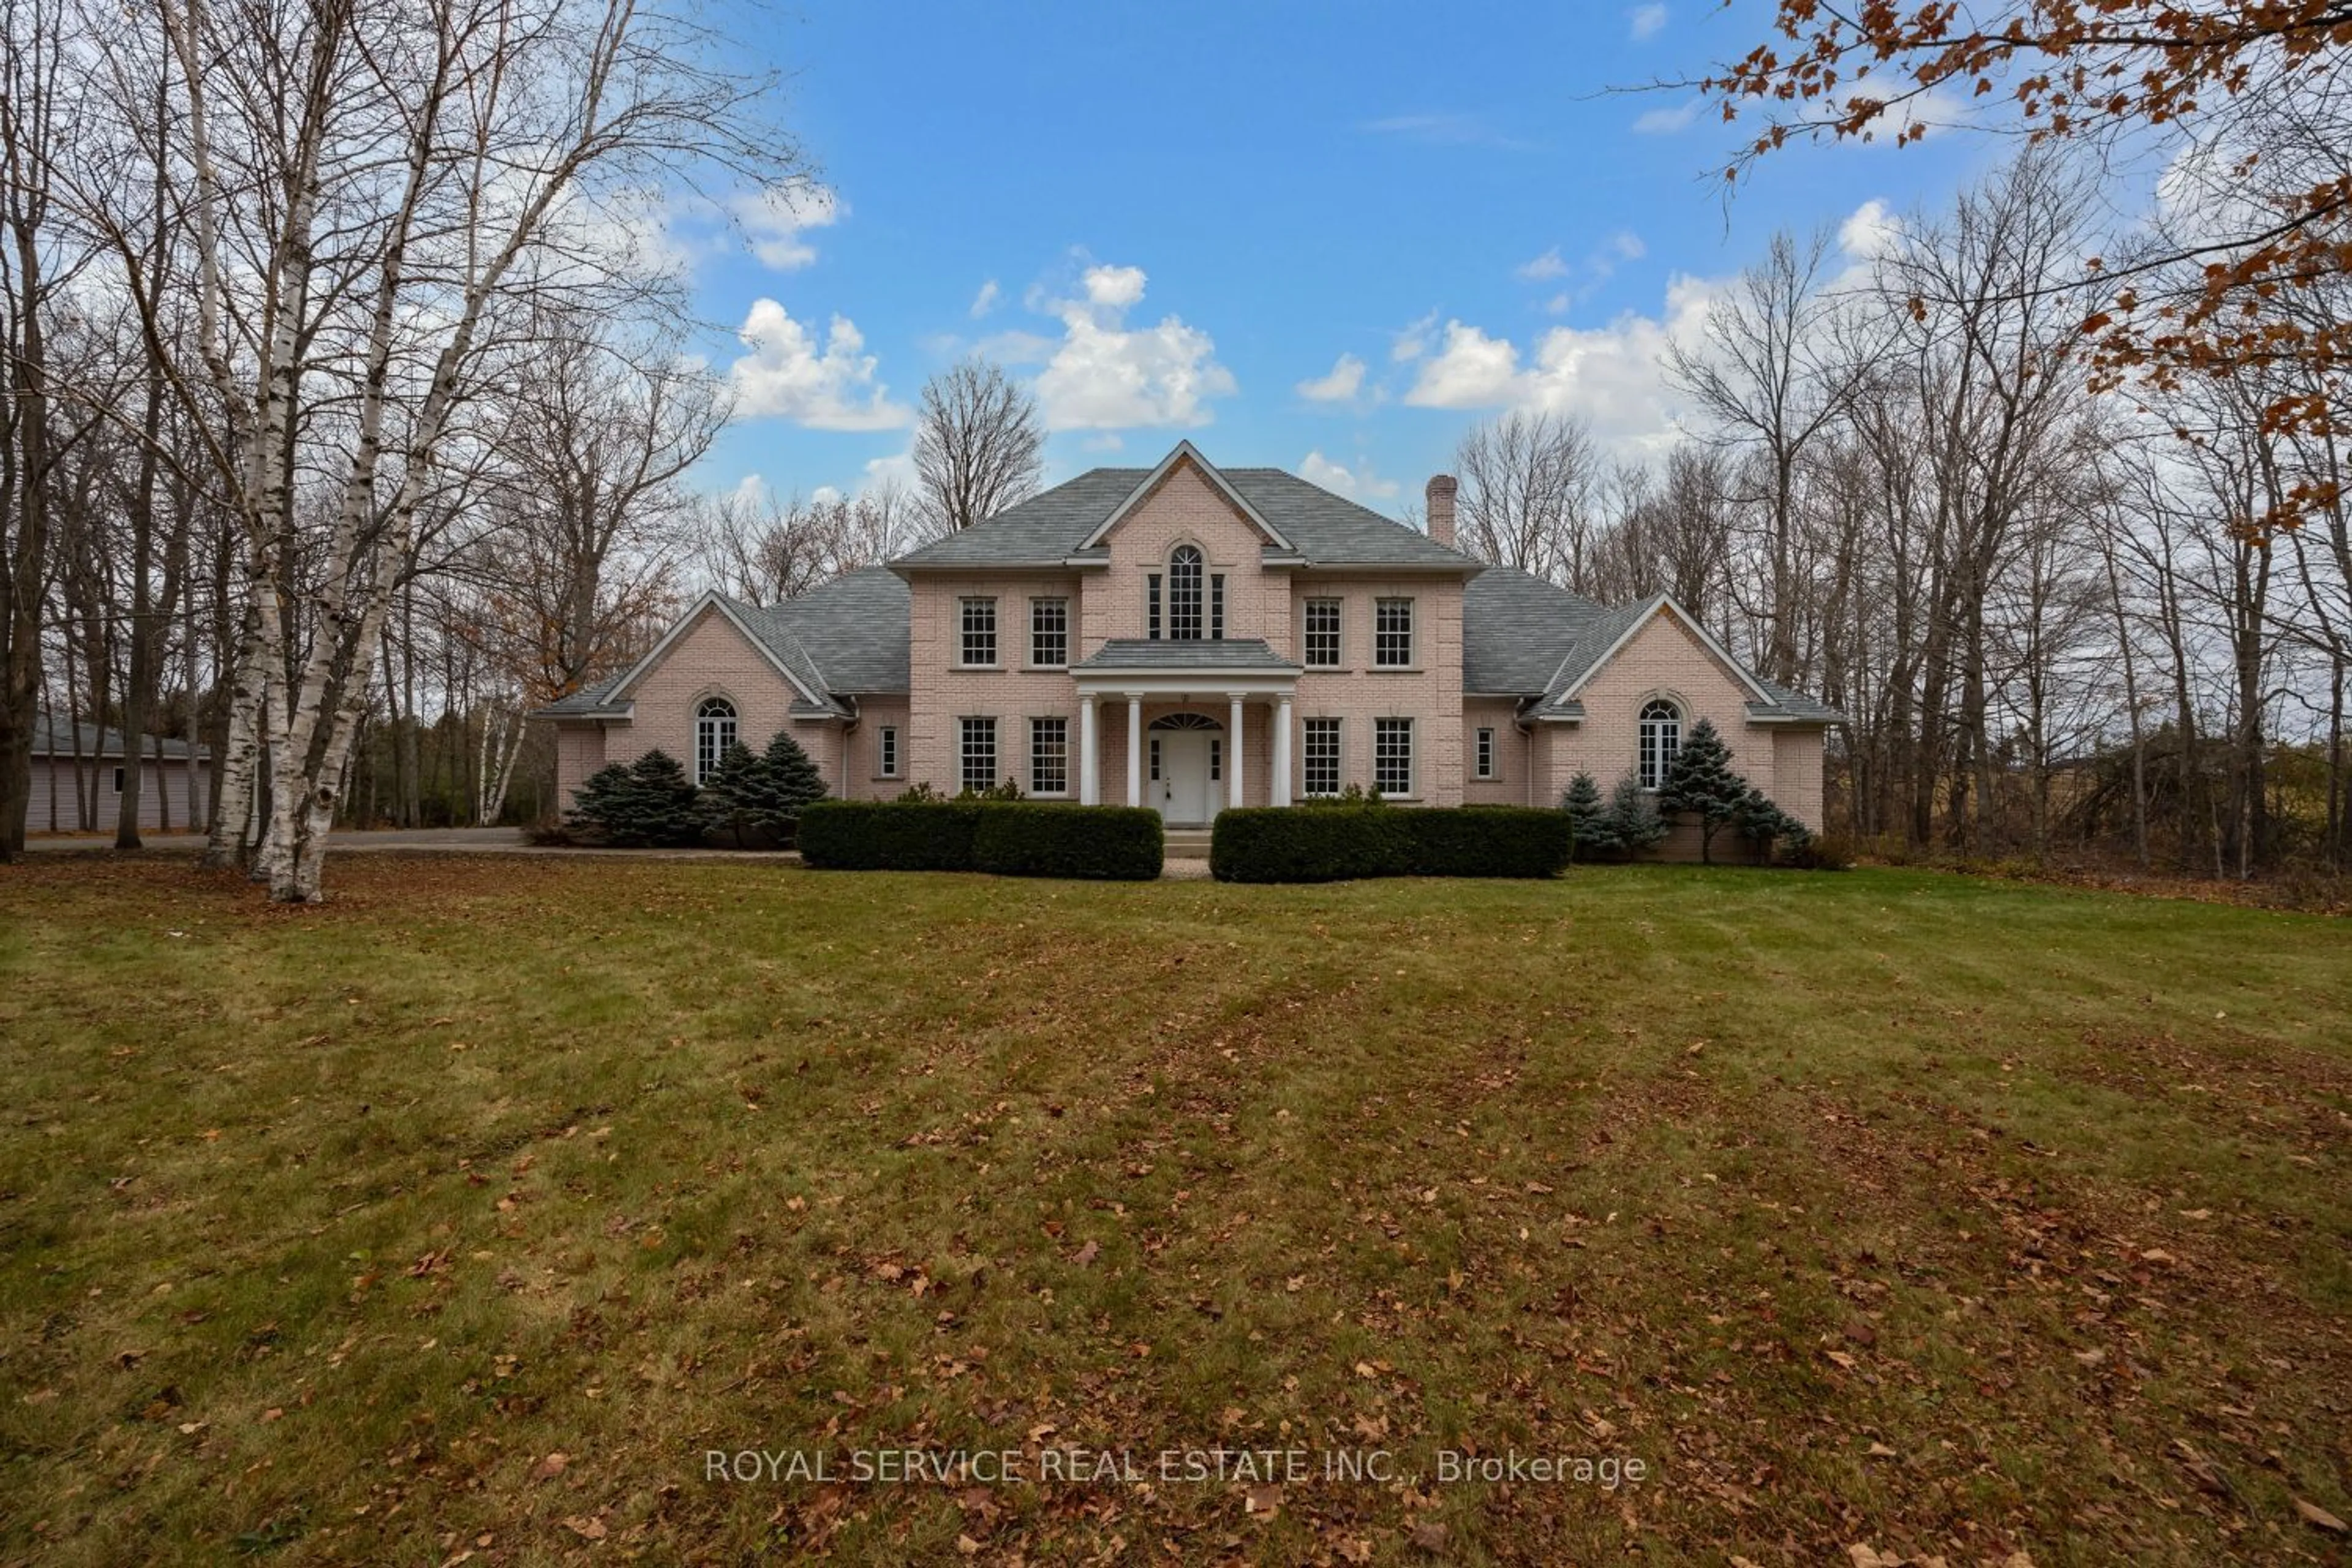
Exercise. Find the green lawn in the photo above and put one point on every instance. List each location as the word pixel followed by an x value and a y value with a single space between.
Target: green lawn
pixel 1942 1215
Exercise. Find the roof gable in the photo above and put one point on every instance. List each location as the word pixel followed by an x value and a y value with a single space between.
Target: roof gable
pixel 802 680
pixel 1611 633
pixel 1185 453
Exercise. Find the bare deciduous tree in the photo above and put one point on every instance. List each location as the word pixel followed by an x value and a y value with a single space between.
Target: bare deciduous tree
pixel 979 444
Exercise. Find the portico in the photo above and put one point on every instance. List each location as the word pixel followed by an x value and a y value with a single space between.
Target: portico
pixel 1185 712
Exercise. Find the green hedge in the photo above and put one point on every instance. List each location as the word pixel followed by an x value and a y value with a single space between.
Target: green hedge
pixel 1331 844
pixel 1011 838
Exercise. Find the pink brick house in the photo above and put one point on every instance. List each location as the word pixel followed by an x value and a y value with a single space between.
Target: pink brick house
pixel 1188 638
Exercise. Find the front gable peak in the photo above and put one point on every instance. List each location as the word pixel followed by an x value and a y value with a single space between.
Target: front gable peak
pixel 1186 453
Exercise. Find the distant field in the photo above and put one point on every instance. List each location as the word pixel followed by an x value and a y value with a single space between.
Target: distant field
pixel 470 1213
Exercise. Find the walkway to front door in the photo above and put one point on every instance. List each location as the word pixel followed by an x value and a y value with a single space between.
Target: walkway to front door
pixel 1185 768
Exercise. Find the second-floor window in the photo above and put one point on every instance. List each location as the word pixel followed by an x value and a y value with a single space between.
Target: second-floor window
pixel 1393 633
pixel 1049 632
pixel 1322 634
pixel 979 632
pixel 1184 586
pixel 1216 606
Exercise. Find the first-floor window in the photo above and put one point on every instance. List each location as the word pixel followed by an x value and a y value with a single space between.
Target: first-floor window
pixel 714 731
pixel 1155 759
pixel 979 754
pixel 1320 757
pixel 886 751
pixel 1662 737
pixel 1049 756
pixel 118 781
pixel 1393 756
pixel 1485 753
pixel 1217 759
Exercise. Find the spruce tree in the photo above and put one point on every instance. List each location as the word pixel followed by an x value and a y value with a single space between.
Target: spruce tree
pixel 1635 824
pixel 1594 832
pixel 1701 781
pixel 1760 820
pixel 794 783
pixel 740 790
pixel 598 801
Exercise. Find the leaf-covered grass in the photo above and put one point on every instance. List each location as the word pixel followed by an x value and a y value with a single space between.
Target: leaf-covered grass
pixel 1897 1208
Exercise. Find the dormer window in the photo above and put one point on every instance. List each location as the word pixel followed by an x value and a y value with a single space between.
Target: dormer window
pixel 1184 595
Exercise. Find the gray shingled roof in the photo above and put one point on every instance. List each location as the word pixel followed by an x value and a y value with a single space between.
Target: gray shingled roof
pixel 54 737
pixel 588 699
pixel 1324 528
pixel 1789 704
pixel 851 633
pixel 1516 630
pixel 1225 654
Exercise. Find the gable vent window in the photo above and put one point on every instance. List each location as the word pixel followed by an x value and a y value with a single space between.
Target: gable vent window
pixel 1662 737
pixel 1184 595
pixel 714 731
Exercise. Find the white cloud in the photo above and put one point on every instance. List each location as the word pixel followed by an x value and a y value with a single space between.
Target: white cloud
pixel 773 220
pixel 1870 232
pixel 1543 268
pixel 1612 376
pixel 1358 484
pixel 1646 21
pixel 1413 341
pixel 1666 122
pixel 1105 375
pixel 788 374
pixel 1347 378
pixel 985 300
pixel 1557 305
pixel 824 495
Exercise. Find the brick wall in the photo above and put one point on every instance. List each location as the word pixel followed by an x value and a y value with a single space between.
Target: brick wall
pixel 1357 692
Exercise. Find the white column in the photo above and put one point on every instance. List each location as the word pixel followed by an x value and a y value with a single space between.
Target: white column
pixel 1234 763
pixel 1281 795
pixel 1135 748
pixel 1089 753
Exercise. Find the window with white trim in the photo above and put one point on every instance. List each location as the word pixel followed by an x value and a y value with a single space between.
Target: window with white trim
pixel 1319 756
pixel 714 731
pixel 1049 756
pixel 1393 633
pixel 1322 634
pixel 885 750
pixel 979 632
pixel 1216 606
pixel 1049 633
pixel 1393 756
pixel 1184 593
pixel 1662 737
pixel 1485 753
pixel 979 754
pixel 1151 606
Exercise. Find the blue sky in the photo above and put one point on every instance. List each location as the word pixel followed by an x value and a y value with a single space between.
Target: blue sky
pixel 1348 231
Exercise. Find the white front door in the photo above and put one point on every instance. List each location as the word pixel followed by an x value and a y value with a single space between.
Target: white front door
pixel 1182 786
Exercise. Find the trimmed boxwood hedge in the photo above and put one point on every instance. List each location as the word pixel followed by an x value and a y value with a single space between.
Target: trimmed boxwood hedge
pixel 1011 838
pixel 1331 844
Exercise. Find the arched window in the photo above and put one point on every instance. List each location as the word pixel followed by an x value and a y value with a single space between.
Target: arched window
pixel 1662 737
pixel 714 731
pixel 1184 593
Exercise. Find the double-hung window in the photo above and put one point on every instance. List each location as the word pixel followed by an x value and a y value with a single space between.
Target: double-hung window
pixel 979 754
pixel 1320 757
pixel 1393 756
pixel 1322 634
pixel 1184 593
pixel 1393 633
pixel 1049 633
pixel 978 633
pixel 1049 756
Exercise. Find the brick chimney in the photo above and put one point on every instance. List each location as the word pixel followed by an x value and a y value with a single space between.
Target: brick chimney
pixel 1441 508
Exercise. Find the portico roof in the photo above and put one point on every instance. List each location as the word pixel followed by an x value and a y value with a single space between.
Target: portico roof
pixel 1218 656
